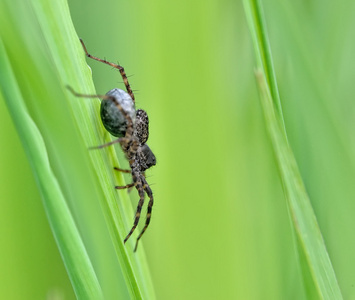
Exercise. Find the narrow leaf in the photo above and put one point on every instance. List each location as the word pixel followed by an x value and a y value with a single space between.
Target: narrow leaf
pixel 322 280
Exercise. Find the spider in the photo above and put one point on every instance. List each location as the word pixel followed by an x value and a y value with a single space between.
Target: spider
pixel 131 126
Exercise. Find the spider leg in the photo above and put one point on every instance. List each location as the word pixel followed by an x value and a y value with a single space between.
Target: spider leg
pixel 139 187
pixel 149 210
pixel 124 187
pixel 129 186
pixel 106 145
pixel 116 66
pixel 122 170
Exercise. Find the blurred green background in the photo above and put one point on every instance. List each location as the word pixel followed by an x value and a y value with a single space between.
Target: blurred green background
pixel 220 227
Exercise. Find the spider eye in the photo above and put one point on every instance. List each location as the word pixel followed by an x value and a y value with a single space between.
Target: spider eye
pixel 150 159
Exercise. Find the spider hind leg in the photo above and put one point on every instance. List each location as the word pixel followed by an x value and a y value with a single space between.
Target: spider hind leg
pixel 116 66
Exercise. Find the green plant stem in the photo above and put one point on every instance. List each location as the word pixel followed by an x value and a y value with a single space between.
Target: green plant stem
pixel 255 17
pixel 318 273
pixel 45 55
pixel 68 239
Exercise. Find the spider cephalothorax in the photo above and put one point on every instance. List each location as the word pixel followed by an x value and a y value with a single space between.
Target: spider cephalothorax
pixel 131 126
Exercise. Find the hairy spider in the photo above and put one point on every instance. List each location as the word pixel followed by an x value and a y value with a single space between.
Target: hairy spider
pixel 131 126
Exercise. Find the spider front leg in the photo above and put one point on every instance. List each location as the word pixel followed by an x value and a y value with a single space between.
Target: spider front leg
pixel 127 186
pixel 149 210
pixel 139 186
pixel 122 170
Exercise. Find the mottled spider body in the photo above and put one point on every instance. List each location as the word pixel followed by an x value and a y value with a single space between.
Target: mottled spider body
pixel 112 118
pixel 116 124
pixel 131 126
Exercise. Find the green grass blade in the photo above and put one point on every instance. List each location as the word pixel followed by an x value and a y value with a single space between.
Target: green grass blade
pixel 309 236
pixel 71 247
pixel 45 56
pixel 319 275
pixel 262 49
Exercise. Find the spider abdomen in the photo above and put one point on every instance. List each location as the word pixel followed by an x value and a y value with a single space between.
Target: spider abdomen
pixel 112 118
